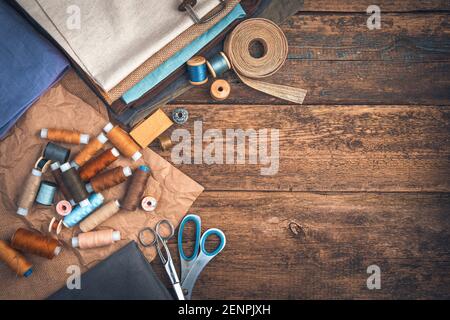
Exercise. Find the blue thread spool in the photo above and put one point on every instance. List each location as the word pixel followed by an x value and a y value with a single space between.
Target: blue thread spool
pixel 46 193
pixel 197 70
pixel 85 208
pixel 218 64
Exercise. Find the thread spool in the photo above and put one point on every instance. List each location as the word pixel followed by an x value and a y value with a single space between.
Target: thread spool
pixel 109 179
pixel 63 208
pixel 29 192
pixel 165 143
pixel 56 153
pixel 64 136
pixel 149 204
pixel 180 116
pixel 96 239
pixel 197 71
pixel 55 226
pixel 218 64
pixel 122 141
pixel 57 175
pixel 97 164
pixel 73 183
pixel 136 188
pixel 35 243
pixel 42 164
pixel 220 90
pixel 46 193
pixel 14 260
pixel 100 216
pixel 81 211
pixel 89 151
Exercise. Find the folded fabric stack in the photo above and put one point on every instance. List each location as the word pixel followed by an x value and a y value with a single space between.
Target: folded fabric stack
pixel 29 65
pixel 126 49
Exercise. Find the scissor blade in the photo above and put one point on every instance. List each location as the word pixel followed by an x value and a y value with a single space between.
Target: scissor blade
pixel 178 291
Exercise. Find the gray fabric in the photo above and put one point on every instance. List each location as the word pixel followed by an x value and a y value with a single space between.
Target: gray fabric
pixel 279 10
pixel 115 36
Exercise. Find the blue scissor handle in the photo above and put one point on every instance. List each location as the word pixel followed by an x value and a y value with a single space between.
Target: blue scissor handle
pixel 219 233
pixel 198 226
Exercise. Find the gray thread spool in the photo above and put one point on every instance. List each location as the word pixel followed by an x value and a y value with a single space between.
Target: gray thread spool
pixel 56 153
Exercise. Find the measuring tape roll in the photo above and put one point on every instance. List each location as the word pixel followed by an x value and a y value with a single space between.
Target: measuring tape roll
pixel 249 68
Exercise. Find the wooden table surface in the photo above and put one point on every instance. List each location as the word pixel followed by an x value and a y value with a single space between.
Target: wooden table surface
pixel 364 164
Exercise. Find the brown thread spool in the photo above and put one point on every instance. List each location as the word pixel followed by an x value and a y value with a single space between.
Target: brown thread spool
pixel 29 192
pixel 122 141
pixel 108 179
pixel 97 164
pixel 64 136
pixel 73 183
pixel 95 239
pixel 101 215
pixel 14 260
pixel 57 175
pixel 165 143
pixel 136 188
pixel 220 90
pixel 35 243
pixel 55 226
pixel 90 150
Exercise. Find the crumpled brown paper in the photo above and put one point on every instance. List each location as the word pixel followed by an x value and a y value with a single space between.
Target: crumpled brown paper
pixel 174 191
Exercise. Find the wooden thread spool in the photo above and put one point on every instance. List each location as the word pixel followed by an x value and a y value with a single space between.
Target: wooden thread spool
pixel 96 239
pixel 122 141
pixel 136 188
pixel 197 71
pixel 220 90
pixel 14 260
pixel 109 179
pixel 90 150
pixel 29 192
pixel 55 226
pixel 100 216
pixel 35 243
pixel 98 164
pixel 165 143
pixel 64 136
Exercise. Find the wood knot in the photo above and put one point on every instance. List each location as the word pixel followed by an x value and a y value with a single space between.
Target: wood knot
pixel 297 230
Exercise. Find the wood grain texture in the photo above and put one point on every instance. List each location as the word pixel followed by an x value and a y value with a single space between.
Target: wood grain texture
pixel 406 235
pixel 385 5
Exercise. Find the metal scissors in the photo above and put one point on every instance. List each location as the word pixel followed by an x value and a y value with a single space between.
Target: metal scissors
pixel 161 241
pixel 192 266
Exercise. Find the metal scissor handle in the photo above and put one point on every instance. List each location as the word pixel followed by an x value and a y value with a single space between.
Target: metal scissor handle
pixel 156 233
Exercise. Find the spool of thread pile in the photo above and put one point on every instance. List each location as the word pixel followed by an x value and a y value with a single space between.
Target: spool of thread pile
pixel 122 141
pixel 35 243
pixel 56 153
pixel 95 239
pixel 218 64
pixel 197 70
pixel 74 184
pixel 29 192
pixel 46 193
pixel 97 164
pixel 57 175
pixel 109 179
pixel 14 260
pixel 89 150
pixel 136 188
pixel 100 216
pixel 79 213
pixel 64 136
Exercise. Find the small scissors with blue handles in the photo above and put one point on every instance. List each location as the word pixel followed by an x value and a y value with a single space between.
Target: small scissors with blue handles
pixel 192 266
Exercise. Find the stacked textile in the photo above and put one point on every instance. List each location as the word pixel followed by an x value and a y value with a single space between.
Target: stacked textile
pixel 29 65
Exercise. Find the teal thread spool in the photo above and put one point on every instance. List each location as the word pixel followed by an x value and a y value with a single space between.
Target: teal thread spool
pixel 218 64
pixel 197 71
pixel 46 193
pixel 81 211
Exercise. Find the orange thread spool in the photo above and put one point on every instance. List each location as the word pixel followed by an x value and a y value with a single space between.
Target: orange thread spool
pixel 122 141
pixel 35 243
pixel 108 179
pixel 90 150
pixel 97 164
pixel 15 260
pixel 64 136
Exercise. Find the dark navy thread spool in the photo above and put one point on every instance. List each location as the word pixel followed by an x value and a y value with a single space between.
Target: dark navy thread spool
pixel 56 153
pixel 197 70
pixel 46 193
pixel 218 64
pixel 73 182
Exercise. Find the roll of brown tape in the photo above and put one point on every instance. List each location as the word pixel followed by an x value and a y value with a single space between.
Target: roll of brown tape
pixel 249 68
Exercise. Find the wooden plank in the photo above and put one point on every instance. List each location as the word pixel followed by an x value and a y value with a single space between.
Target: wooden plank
pixel 406 235
pixel 333 148
pixel 385 5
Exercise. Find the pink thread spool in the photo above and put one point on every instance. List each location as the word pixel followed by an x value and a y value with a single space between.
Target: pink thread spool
pixel 63 208
pixel 149 204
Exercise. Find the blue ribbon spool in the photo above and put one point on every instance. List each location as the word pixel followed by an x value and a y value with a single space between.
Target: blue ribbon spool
pixel 82 210
pixel 46 193
pixel 197 71
pixel 218 64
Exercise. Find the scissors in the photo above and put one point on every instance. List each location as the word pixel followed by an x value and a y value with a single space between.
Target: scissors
pixel 161 241
pixel 192 266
